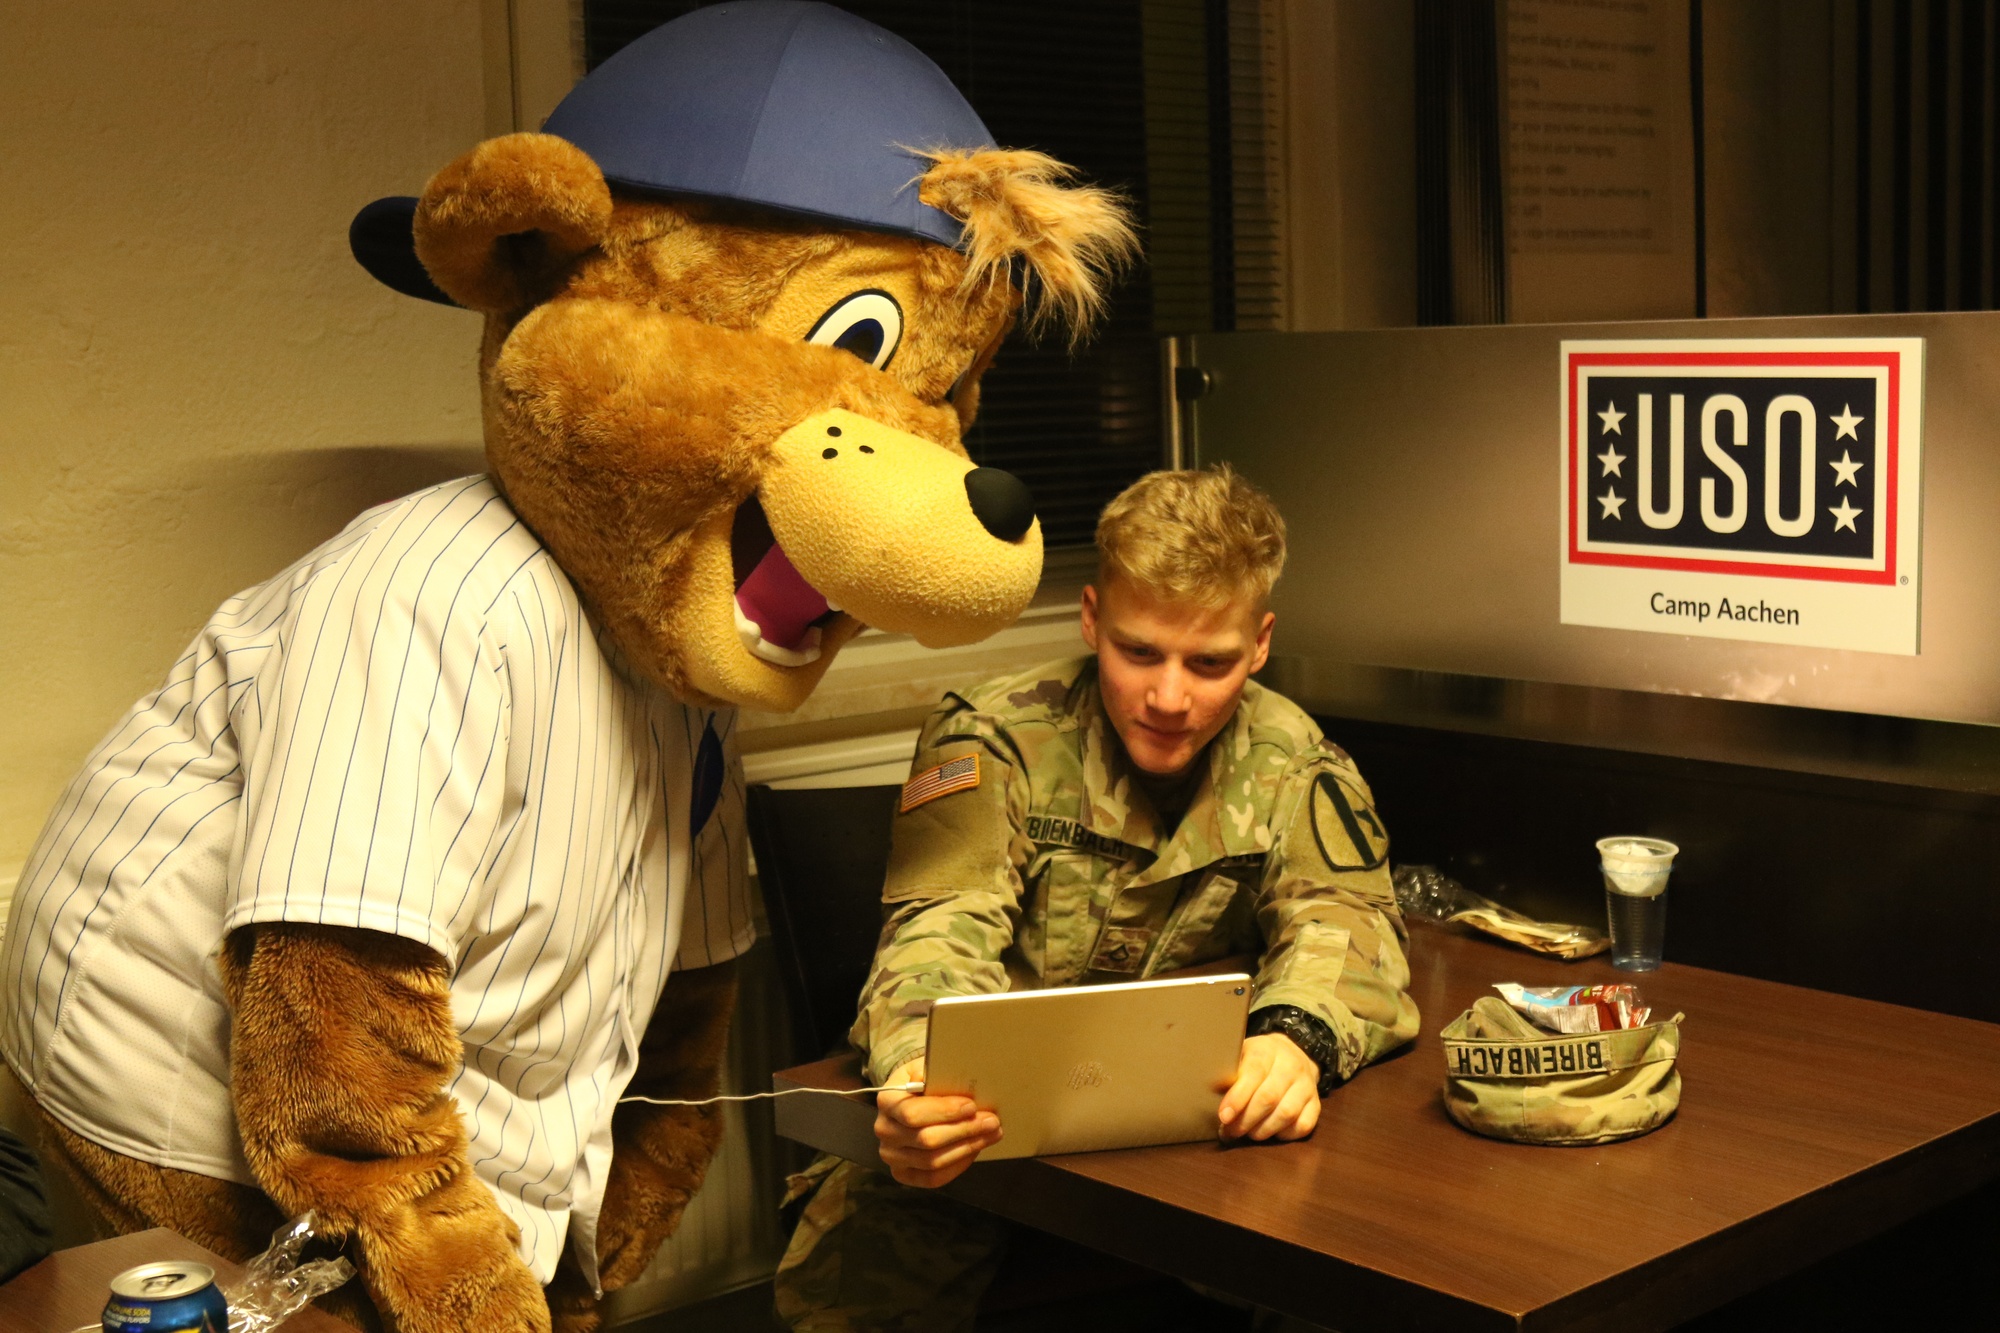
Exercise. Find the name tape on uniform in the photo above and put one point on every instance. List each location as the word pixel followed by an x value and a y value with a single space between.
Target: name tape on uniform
pixel 1538 1059
pixel 1056 831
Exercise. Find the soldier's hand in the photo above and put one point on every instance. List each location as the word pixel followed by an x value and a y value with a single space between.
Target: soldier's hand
pixel 1276 1093
pixel 929 1141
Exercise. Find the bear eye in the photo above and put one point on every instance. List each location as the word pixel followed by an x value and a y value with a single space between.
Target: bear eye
pixel 868 324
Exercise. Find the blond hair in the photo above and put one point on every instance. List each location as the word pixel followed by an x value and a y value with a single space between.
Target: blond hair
pixel 1206 537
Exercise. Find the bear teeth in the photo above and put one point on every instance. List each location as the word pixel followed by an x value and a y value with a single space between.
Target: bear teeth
pixel 782 606
pixel 757 646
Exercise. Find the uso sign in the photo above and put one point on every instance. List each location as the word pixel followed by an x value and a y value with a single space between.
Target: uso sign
pixel 1744 489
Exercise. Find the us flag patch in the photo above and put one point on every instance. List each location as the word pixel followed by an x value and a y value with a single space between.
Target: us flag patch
pixel 960 774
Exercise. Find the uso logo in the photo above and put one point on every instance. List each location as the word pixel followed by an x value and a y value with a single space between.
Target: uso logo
pixel 1738 461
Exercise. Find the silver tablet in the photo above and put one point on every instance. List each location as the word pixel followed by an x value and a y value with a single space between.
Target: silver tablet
pixel 1081 1068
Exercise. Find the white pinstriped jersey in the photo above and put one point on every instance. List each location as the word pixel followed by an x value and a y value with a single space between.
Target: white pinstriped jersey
pixel 415 730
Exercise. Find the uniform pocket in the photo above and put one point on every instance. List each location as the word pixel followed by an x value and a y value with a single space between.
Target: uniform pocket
pixel 1317 942
pixel 1201 926
pixel 1074 898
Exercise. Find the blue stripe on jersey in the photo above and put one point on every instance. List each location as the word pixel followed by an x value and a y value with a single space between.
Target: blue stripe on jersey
pixel 84 877
pixel 55 840
pixel 353 571
pixel 437 678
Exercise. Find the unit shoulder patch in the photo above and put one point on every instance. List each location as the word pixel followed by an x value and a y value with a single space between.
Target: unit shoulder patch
pixel 960 774
pixel 1350 837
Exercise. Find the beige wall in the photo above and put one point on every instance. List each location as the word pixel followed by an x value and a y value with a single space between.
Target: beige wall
pixel 197 384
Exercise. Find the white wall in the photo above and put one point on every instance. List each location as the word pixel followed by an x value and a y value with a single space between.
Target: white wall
pixel 197 383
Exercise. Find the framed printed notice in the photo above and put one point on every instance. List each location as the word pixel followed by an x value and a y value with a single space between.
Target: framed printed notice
pixel 1761 489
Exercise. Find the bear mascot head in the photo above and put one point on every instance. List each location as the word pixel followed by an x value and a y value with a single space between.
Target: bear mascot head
pixel 424 861
pixel 738 299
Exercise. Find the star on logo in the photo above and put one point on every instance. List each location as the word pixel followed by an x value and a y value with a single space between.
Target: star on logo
pixel 1847 421
pixel 1613 502
pixel 1611 459
pixel 1846 468
pixel 1611 416
pixel 1844 516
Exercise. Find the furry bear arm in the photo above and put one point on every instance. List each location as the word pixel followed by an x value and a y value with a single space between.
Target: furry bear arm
pixel 343 1046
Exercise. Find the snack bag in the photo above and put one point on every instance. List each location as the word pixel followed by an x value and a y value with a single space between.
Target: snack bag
pixel 1577 1008
pixel 1425 894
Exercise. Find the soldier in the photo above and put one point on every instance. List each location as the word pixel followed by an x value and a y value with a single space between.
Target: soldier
pixel 1109 819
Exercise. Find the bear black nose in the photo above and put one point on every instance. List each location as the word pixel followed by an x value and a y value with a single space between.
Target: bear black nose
pixel 1002 502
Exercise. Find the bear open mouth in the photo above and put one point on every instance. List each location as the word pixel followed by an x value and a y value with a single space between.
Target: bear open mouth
pixel 778 614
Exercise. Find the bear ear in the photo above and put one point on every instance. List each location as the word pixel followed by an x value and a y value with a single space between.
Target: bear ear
pixel 497 228
pixel 1019 207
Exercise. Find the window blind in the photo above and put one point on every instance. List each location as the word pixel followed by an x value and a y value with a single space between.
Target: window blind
pixel 1916 86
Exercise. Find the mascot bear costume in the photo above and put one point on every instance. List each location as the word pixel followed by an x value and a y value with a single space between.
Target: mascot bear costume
pixel 429 850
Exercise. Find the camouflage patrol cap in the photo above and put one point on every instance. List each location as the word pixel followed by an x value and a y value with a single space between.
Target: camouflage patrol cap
pixel 1508 1079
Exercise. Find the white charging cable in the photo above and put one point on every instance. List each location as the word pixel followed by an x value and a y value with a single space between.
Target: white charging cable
pixel 783 1092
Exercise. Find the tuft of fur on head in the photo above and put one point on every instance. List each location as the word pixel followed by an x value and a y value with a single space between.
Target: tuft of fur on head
pixel 1021 210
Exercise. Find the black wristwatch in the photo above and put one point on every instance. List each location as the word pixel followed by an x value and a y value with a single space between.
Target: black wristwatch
pixel 1310 1035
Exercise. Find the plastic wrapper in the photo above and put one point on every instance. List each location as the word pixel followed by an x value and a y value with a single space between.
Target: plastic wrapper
pixel 1428 894
pixel 1578 1008
pixel 281 1281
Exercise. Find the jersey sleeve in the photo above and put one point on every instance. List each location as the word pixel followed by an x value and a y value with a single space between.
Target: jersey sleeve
pixel 720 921
pixel 1334 939
pixel 378 785
pixel 951 899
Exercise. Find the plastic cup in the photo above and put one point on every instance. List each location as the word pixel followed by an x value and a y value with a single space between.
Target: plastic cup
pixel 1635 898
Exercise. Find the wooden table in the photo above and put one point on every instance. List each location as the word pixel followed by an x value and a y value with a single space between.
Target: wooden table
pixel 1808 1122
pixel 67 1290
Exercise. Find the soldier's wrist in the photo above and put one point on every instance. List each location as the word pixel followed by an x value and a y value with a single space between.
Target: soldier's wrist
pixel 883 1065
pixel 1307 1033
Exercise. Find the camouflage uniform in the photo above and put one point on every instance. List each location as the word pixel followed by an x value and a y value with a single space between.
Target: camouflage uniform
pixel 1055 870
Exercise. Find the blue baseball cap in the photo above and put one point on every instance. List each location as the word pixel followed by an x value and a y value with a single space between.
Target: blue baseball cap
pixel 790 105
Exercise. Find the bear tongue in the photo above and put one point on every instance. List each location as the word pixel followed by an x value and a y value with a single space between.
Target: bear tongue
pixel 782 604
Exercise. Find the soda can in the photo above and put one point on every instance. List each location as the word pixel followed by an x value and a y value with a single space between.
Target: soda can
pixel 166 1298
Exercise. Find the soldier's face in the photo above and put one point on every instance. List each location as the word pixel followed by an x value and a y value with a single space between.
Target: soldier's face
pixel 1171 674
